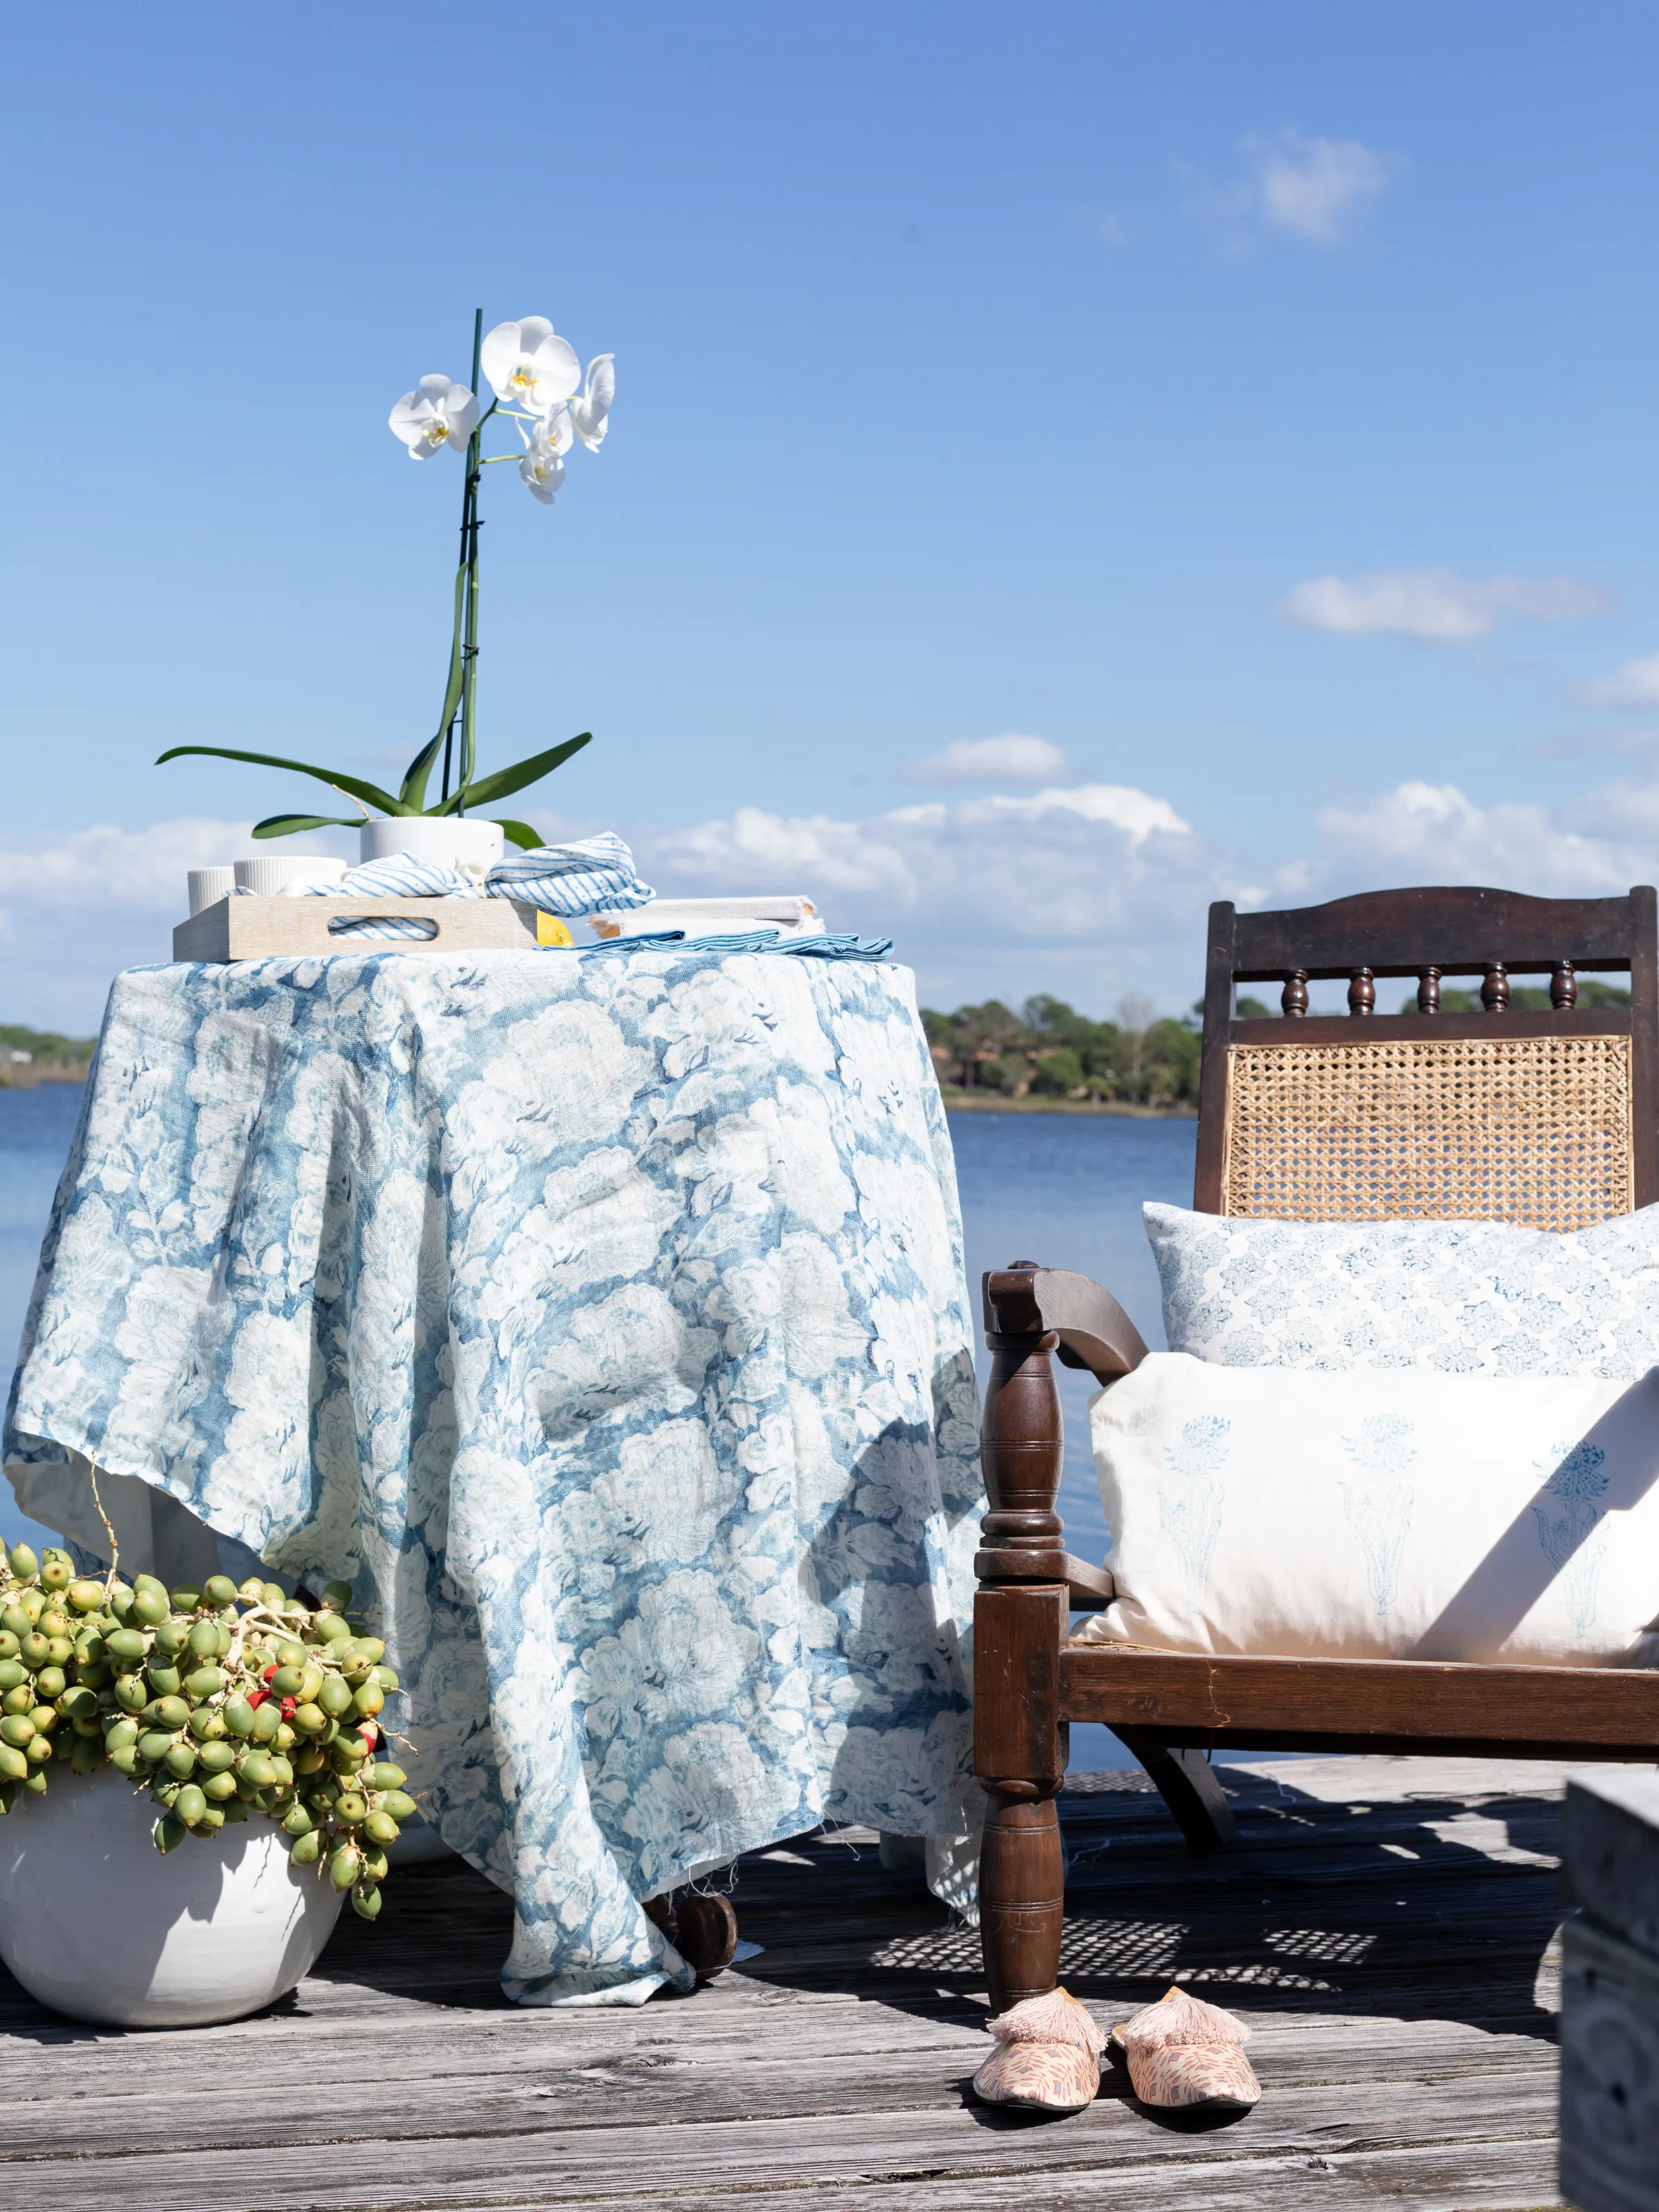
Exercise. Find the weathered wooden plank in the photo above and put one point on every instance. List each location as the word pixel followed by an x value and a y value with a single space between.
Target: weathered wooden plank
pixel 1610 1828
pixel 1520 2177
pixel 510 2087
pixel 1610 2023
pixel 1299 2048
pixel 595 2164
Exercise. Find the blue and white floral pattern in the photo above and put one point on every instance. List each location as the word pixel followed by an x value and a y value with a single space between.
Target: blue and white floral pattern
pixel 604 1319
pixel 1478 1297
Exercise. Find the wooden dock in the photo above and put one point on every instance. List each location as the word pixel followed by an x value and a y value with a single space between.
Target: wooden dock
pixel 1387 1927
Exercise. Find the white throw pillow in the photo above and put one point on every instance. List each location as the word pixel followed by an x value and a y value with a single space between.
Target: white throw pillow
pixel 1471 1297
pixel 1361 1516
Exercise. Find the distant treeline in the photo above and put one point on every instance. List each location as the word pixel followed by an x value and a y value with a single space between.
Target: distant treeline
pixel 1049 1050
pixel 41 1055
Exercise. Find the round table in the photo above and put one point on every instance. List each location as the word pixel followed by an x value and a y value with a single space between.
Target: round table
pixel 602 1317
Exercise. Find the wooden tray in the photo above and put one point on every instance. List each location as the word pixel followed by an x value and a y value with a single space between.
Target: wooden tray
pixel 252 928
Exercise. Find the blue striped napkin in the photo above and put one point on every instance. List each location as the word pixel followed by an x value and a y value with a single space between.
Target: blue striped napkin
pixel 592 875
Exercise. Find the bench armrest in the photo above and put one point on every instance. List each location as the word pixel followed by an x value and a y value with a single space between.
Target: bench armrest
pixel 1094 1331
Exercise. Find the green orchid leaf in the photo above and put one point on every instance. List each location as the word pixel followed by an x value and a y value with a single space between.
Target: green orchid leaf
pixel 521 833
pixel 285 825
pixel 412 790
pixel 370 793
pixel 506 780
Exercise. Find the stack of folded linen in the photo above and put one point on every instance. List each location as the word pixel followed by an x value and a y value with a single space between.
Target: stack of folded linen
pixel 790 916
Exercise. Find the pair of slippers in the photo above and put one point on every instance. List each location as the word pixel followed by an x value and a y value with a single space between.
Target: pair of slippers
pixel 1180 2052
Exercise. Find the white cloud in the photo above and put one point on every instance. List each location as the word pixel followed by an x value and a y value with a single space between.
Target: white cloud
pixel 1310 186
pixel 1306 188
pixel 1064 883
pixel 1135 812
pixel 1436 605
pixel 1634 683
pixel 1010 759
pixel 138 870
pixel 1432 833
pixel 75 908
pixel 1086 892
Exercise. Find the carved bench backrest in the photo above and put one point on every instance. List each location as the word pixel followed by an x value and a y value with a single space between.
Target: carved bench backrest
pixel 1546 1117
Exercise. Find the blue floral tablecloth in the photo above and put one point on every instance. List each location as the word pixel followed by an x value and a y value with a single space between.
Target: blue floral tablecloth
pixel 604 1320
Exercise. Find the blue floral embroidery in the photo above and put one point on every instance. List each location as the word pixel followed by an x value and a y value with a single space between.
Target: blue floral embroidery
pixel 1381 1515
pixel 1190 1516
pixel 1571 1541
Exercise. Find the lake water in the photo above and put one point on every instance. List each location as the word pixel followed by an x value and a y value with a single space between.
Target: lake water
pixel 1062 1190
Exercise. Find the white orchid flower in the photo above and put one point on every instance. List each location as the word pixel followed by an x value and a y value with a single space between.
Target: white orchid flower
pixel 591 410
pixel 528 366
pixel 439 414
pixel 542 468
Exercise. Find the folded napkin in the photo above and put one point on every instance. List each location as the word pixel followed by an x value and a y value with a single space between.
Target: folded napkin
pixel 591 875
pixel 823 947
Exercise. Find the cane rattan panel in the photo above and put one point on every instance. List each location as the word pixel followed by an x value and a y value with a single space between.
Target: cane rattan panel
pixel 1534 1130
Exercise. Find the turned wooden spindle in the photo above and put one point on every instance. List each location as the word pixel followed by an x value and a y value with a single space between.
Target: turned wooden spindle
pixel 1019 1627
pixel 1293 999
pixel 1563 987
pixel 1362 993
pixel 1495 990
pixel 1428 991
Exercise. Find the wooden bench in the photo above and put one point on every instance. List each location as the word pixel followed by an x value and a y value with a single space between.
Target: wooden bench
pixel 1308 1117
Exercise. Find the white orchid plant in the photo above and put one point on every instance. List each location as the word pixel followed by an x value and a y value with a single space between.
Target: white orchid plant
pixel 537 379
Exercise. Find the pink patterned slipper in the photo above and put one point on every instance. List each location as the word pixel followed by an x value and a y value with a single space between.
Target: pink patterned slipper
pixel 1047 2058
pixel 1183 2051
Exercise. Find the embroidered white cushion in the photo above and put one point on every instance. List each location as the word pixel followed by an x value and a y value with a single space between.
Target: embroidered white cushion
pixel 1473 1297
pixel 1380 1516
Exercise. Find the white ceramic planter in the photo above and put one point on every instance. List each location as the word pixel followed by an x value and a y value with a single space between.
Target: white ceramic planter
pixel 438 837
pixel 97 1924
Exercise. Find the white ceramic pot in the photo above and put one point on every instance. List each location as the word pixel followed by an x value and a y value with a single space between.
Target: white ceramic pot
pixel 438 837
pixel 97 1924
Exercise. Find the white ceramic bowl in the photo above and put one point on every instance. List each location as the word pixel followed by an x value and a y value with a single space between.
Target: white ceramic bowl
pixel 97 1924
pixel 270 874
pixel 438 837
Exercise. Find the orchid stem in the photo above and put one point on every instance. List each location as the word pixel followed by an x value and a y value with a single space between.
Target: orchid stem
pixel 469 637
pixel 463 643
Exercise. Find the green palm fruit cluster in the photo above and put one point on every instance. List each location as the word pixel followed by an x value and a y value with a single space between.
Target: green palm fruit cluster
pixel 218 1701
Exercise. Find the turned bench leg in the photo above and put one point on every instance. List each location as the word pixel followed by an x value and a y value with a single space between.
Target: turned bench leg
pixel 1022 1892
pixel 1019 1755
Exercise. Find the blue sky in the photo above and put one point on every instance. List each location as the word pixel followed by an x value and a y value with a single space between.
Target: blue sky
pixel 1252 409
